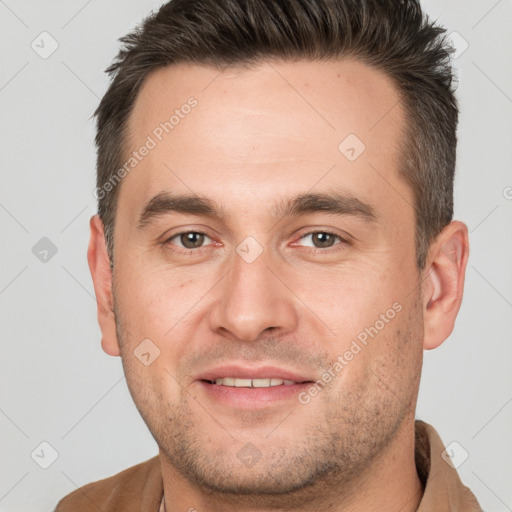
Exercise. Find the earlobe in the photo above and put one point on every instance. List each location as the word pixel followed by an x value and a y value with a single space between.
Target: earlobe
pixel 99 265
pixel 443 283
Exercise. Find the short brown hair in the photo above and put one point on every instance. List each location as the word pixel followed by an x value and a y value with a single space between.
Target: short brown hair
pixel 393 36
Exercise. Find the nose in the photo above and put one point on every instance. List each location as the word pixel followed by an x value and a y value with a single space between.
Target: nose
pixel 254 298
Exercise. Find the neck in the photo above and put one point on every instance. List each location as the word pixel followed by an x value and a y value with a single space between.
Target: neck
pixel 390 483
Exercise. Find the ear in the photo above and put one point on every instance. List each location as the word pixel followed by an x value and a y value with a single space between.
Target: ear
pixel 99 266
pixel 443 283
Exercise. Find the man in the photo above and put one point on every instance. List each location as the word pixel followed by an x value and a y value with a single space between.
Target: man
pixel 273 252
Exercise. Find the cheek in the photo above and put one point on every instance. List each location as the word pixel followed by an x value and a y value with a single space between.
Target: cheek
pixel 395 363
pixel 155 300
pixel 351 299
pixel 150 387
pixel 382 371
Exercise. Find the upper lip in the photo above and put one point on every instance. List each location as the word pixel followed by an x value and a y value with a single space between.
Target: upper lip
pixel 262 372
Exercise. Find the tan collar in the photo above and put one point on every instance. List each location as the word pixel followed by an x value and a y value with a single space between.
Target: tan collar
pixel 444 491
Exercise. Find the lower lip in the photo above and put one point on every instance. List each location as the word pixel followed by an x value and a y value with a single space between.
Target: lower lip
pixel 251 398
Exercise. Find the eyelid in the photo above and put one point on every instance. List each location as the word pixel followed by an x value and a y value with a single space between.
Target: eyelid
pixel 198 228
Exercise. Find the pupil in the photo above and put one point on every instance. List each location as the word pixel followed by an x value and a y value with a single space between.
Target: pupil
pixel 325 239
pixel 187 240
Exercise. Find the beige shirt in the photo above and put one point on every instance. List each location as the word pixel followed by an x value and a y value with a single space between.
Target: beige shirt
pixel 140 488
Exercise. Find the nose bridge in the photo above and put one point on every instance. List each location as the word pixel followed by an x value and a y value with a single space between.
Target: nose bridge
pixel 253 298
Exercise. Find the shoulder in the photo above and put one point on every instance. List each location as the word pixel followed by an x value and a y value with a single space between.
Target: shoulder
pixel 128 490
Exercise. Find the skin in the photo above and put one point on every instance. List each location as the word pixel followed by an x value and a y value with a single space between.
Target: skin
pixel 256 137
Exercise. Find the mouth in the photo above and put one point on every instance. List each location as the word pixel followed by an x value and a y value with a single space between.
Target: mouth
pixel 244 388
pixel 235 382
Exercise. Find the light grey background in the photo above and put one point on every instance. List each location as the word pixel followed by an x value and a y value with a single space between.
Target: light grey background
pixel 59 387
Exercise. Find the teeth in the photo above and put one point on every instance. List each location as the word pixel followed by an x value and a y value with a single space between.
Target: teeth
pixel 260 383
pixel 252 383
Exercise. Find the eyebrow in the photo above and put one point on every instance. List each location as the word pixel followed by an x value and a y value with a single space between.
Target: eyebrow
pixel 331 202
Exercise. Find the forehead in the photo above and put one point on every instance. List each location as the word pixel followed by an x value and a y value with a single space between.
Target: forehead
pixel 246 134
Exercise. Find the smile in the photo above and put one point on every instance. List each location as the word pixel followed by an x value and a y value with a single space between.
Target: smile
pixel 251 383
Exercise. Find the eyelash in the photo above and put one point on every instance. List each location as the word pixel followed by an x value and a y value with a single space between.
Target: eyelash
pixel 315 250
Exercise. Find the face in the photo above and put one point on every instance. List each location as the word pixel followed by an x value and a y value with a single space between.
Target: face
pixel 265 234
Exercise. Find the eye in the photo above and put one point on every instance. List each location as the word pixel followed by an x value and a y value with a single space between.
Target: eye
pixel 193 241
pixel 322 239
pixel 188 240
